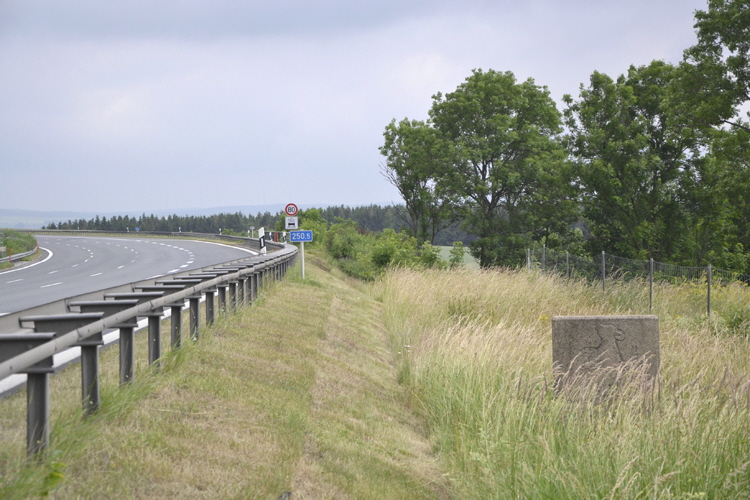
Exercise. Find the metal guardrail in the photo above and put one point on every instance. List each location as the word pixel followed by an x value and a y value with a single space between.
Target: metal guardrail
pixel 56 326
pixel 18 256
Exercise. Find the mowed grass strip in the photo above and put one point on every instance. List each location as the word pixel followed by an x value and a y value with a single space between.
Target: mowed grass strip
pixel 296 394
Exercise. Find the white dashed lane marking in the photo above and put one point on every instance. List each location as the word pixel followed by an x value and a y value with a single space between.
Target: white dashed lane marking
pixel 52 284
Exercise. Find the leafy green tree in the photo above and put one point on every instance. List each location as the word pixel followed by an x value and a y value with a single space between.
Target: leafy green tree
pixel 416 156
pixel 631 159
pixel 720 202
pixel 713 89
pixel 503 136
pixel 715 74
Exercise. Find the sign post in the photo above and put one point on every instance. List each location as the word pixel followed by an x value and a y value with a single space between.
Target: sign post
pixel 301 237
pixel 262 240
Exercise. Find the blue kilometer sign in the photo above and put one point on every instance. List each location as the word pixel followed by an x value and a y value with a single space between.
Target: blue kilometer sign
pixel 300 236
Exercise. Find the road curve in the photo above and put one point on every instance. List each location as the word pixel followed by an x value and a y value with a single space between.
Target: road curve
pixel 74 265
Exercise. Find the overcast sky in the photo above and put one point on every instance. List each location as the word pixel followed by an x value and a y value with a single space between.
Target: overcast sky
pixel 137 105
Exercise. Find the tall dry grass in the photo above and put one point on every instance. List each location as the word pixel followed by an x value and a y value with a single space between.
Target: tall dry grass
pixel 475 350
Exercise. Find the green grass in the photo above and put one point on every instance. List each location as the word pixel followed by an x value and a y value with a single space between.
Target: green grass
pixel 479 368
pixel 426 384
pixel 297 393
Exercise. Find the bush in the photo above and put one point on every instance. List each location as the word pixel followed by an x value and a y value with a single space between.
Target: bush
pixel 367 256
pixel 341 240
pixel 17 242
pixel 457 255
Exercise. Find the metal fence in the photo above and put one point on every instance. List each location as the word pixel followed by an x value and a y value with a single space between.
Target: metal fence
pixel 612 267
pixel 29 339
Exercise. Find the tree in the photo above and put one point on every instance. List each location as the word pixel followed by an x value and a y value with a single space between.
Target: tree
pixel 503 138
pixel 722 235
pixel 416 156
pixel 715 78
pixel 631 159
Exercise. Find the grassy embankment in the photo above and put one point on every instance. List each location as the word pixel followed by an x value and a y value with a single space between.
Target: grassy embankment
pixel 299 393
pixel 296 393
pixel 16 242
pixel 477 357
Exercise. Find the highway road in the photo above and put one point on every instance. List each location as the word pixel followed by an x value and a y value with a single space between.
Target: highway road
pixel 74 265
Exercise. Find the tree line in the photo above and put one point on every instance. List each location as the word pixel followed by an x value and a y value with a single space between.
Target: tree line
pixel 653 163
pixel 372 218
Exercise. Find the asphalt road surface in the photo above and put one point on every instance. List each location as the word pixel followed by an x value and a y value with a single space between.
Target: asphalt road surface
pixel 74 265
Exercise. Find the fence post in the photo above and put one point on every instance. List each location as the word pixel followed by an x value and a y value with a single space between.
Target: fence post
pixel 708 279
pixel 544 259
pixel 567 264
pixel 650 284
pixel 528 259
pixel 604 272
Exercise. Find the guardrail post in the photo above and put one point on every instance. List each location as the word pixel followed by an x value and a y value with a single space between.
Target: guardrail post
pixel 232 295
pixel 154 337
pixel 62 323
pixel 176 329
pixel 37 416
pixel 253 286
pixel 210 313
pixel 242 291
pixel 37 386
pixel 127 354
pixel 195 317
pixel 90 378
pixel 222 298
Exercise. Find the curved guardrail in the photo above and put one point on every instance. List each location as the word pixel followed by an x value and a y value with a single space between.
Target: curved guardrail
pixel 47 330
pixel 18 256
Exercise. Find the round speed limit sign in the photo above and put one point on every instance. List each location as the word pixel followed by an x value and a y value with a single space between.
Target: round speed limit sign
pixel 291 210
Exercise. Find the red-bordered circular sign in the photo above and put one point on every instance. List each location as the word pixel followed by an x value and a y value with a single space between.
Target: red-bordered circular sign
pixel 291 210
